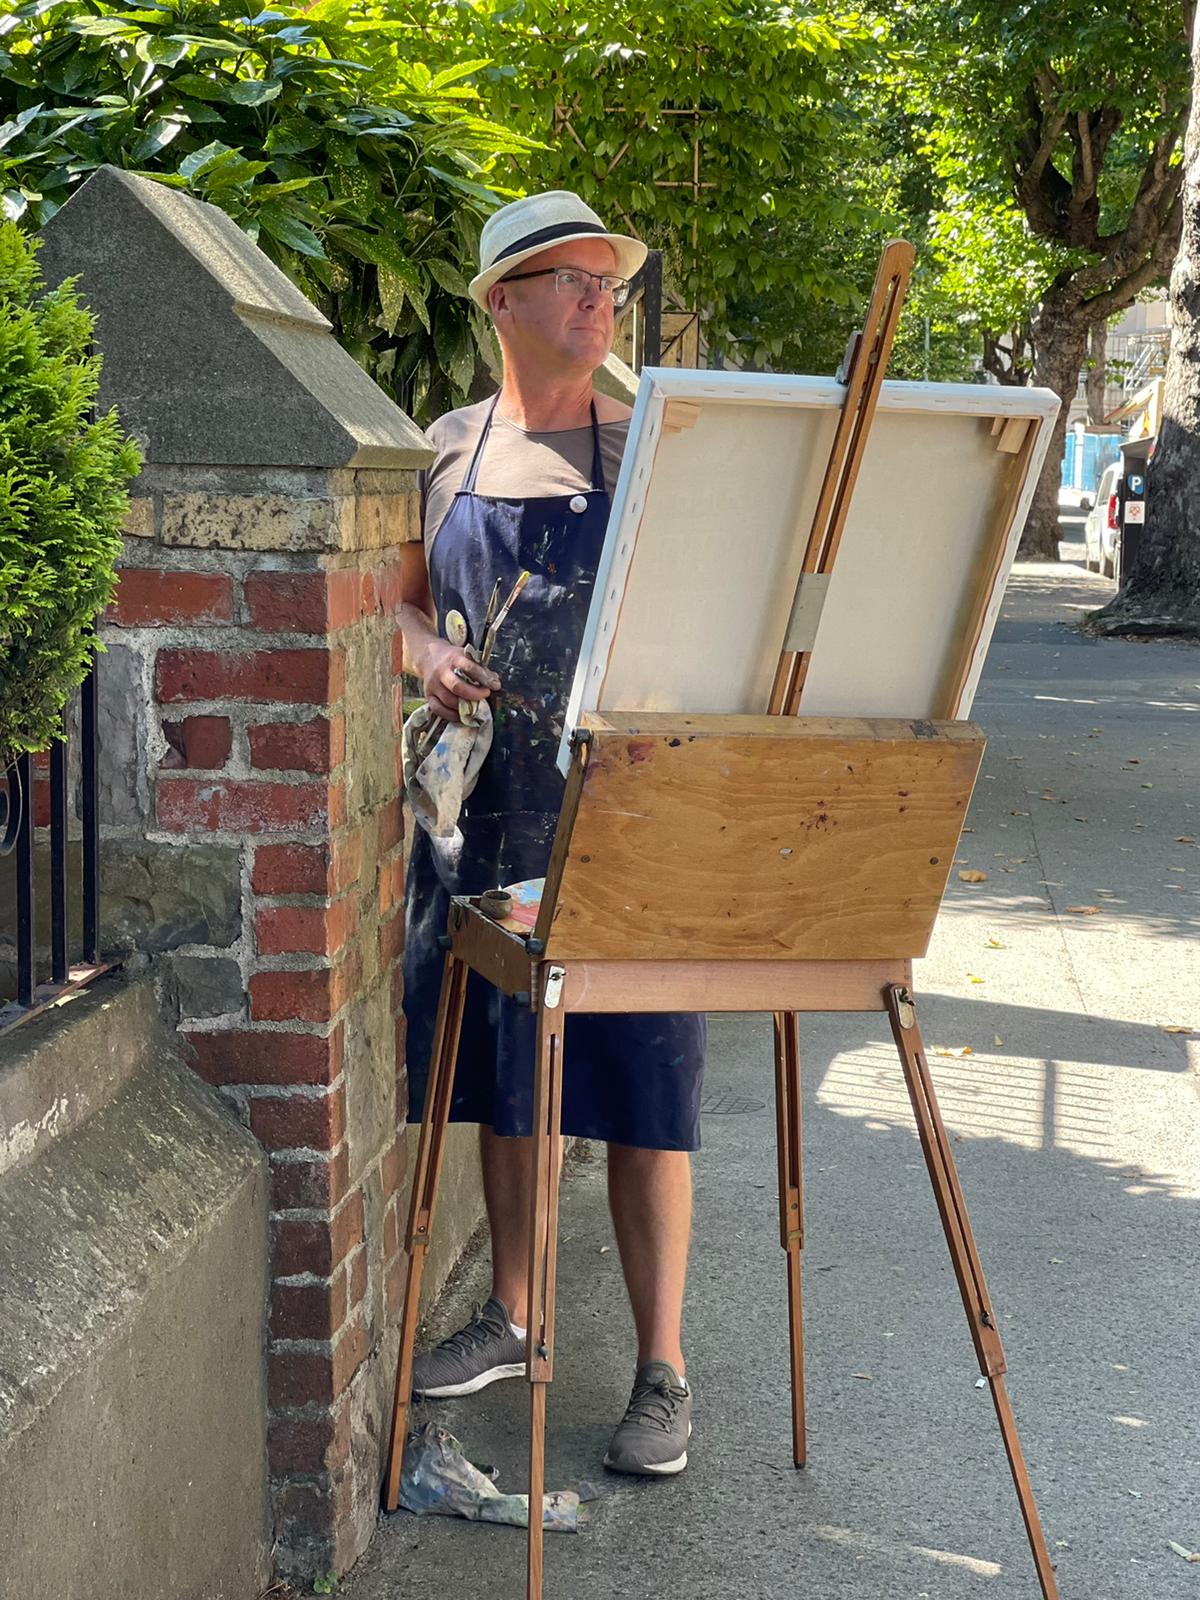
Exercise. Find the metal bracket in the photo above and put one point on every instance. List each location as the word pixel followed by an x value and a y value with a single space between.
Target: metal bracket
pixel 906 1011
pixel 552 995
pixel 806 611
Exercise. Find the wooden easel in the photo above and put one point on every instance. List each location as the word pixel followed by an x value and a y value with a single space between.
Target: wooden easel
pixel 817 854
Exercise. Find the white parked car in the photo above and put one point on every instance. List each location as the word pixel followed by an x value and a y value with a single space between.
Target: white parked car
pixel 1102 530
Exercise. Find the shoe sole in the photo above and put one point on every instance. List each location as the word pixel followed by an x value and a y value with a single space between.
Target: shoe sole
pixel 453 1391
pixel 662 1469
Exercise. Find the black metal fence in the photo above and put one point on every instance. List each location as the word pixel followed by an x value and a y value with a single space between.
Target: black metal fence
pixel 647 293
pixel 18 834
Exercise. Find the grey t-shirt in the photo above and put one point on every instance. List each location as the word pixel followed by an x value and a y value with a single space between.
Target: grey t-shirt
pixel 516 464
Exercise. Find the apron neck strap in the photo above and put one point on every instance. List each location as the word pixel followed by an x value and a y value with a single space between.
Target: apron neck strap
pixel 468 484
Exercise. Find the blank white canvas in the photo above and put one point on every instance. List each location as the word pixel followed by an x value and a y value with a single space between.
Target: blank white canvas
pixel 708 530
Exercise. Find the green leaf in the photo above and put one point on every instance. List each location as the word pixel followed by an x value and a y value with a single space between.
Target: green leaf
pixel 252 92
pixel 448 275
pixel 289 230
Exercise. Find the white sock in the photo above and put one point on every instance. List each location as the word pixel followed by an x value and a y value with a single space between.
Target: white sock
pixel 517 1333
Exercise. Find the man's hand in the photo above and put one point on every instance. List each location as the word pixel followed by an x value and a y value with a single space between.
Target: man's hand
pixel 444 688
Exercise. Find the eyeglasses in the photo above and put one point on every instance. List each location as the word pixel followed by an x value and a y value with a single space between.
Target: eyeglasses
pixel 575 280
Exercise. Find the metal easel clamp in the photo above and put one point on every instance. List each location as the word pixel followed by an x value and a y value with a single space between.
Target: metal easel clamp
pixel 552 994
pixel 906 1011
pixel 806 611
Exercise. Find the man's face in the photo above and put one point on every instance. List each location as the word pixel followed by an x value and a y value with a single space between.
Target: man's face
pixel 563 331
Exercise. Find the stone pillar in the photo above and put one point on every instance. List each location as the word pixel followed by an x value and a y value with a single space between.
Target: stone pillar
pixel 251 811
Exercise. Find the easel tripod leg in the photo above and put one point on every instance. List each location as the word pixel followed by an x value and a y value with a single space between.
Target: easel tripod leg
pixel 430 1149
pixel 791 1204
pixel 543 1246
pixel 935 1145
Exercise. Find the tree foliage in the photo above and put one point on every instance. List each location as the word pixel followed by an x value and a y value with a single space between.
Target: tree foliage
pixel 63 497
pixel 1055 129
pixel 618 98
pixel 363 173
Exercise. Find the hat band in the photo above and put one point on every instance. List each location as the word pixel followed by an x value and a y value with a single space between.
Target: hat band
pixel 557 230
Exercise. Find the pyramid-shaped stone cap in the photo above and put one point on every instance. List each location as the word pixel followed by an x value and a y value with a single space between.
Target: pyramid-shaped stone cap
pixel 211 353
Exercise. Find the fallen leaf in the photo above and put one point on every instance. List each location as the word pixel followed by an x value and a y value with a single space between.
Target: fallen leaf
pixel 1057 1261
pixel 604 1249
pixel 999 1041
pixel 1080 819
pixel 1136 1493
pixel 957 1050
pixel 1085 911
pixel 1147 786
pixel 981 1383
pixel 973 978
pixel 866 1376
pixel 1188 1555
pixel 1175 1028
pixel 1184 838
pixel 973 876
pixel 1133 761
pixel 994 944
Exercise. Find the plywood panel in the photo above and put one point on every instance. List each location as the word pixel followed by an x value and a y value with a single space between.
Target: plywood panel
pixel 779 839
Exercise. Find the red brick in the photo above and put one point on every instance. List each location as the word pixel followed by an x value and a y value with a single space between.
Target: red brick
pixel 391 883
pixel 150 598
pixel 397 653
pixel 347 861
pixel 390 582
pixel 391 825
pixel 296 677
pixel 315 930
pixel 391 938
pixel 41 802
pixel 370 595
pixel 292 868
pixel 308 1121
pixel 299 1377
pixel 310 1444
pixel 317 745
pixel 198 742
pixel 236 805
pixel 358 1277
pixel 276 1058
pixel 308 1310
pixel 316 1247
pixel 391 1168
pixel 318 1185
pixel 304 602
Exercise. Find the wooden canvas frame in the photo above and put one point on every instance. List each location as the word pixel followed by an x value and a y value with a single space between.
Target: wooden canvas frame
pixel 698 588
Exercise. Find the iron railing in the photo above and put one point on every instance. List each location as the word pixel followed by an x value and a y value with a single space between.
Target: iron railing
pixel 18 833
pixel 647 294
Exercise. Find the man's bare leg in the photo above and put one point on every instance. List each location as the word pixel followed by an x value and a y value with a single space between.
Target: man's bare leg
pixel 506 1189
pixel 650 1195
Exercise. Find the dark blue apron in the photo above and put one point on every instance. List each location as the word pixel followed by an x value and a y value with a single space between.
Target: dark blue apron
pixel 629 1079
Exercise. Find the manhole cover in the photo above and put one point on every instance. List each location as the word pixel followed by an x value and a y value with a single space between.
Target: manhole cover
pixel 727 1103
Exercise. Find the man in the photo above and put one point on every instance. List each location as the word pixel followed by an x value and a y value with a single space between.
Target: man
pixel 522 481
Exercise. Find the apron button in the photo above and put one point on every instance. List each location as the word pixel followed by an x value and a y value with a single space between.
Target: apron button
pixel 578 502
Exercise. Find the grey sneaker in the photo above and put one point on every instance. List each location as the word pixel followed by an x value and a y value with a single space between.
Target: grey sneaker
pixel 653 1434
pixel 485 1350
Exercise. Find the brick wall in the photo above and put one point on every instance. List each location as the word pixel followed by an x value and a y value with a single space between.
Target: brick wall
pixel 252 830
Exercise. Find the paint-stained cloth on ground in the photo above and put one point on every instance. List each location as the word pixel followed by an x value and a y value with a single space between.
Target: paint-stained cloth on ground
pixel 629 1079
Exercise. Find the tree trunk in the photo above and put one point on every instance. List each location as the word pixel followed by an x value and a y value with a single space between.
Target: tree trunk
pixel 1060 337
pixel 1161 595
pixel 1097 376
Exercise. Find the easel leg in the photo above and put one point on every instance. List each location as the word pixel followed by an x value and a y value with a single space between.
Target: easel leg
pixel 791 1204
pixel 935 1145
pixel 430 1149
pixel 543 1246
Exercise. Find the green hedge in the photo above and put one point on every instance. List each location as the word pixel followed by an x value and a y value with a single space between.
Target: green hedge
pixel 63 497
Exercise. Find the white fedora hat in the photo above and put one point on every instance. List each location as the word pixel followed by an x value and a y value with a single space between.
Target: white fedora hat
pixel 525 227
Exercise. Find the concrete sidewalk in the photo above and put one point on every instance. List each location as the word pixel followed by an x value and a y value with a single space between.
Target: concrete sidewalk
pixel 1077 1132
